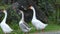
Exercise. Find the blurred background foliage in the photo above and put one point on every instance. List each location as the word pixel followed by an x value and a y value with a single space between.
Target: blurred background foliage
pixel 51 9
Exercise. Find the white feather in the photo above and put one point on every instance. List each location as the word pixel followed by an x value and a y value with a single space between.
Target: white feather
pixel 24 26
pixel 37 23
pixel 5 27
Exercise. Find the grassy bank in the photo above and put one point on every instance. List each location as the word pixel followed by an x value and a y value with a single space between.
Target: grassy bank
pixel 17 30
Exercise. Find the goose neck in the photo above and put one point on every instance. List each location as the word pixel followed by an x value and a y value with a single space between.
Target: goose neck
pixel 22 16
pixel 34 13
pixel 4 20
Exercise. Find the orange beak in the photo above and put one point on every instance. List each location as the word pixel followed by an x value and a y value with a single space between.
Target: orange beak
pixel 29 7
pixel 3 10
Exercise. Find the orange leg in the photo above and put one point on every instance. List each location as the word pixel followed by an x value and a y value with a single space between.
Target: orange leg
pixel 25 33
pixel 28 33
pixel 5 33
pixel 42 30
pixel 36 31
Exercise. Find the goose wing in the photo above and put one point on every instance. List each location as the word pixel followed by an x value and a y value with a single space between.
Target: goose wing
pixel 6 28
pixel 26 24
pixel 23 26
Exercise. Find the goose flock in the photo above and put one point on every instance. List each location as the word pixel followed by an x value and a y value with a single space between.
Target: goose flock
pixel 22 24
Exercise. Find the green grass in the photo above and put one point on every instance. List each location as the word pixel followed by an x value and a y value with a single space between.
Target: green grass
pixel 17 30
pixel 52 27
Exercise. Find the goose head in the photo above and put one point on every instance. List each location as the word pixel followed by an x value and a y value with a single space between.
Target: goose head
pixel 19 12
pixel 3 10
pixel 31 7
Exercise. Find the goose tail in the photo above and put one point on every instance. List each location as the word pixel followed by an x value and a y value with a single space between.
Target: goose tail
pixel 11 30
pixel 46 25
pixel 30 29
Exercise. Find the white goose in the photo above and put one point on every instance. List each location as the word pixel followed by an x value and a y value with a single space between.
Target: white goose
pixel 37 23
pixel 5 27
pixel 24 26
